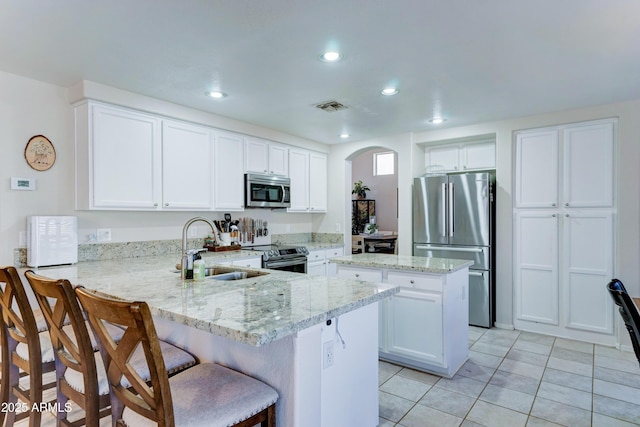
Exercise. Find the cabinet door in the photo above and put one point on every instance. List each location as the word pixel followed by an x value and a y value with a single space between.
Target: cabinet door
pixel 317 182
pixel 186 166
pixel 317 268
pixel 588 257
pixel 414 326
pixel 278 160
pixel 537 169
pixel 228 180
pixel 332 268
pixel 537 267
pixel 255 262
pixel 125 159
pixel 478 156
pixel 256 155
pixel 299 175
pixel 588 170
pixel 445 158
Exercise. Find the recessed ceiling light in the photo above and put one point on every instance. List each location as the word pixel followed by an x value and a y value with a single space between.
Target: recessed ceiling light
pixel 330 56
pixel 216 94
pixel 437 120
pixel 388 91
pixel 344 135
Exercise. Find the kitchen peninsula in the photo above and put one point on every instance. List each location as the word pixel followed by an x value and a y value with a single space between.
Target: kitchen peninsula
pixel 426 325
pixel 314 339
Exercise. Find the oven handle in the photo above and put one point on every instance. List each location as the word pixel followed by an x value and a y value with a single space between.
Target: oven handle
pixel 284 193
pixel 287 263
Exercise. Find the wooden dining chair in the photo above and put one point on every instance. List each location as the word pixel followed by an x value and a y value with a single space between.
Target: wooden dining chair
pixel 73 351
pixel 80 372
pixel 628 312
pixel 4 367
pixel 206 394
pixel 24 350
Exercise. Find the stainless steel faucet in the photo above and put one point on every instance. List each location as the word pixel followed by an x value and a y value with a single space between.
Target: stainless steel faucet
pixel 186 254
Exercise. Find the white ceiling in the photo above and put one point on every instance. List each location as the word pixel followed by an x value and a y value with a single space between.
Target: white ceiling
pixel 469 60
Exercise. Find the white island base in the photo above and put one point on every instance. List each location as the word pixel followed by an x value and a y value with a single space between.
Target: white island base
pixel 321 382
pixel 425 325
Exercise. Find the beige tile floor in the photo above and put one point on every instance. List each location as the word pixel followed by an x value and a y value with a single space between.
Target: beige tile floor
pixel 513 379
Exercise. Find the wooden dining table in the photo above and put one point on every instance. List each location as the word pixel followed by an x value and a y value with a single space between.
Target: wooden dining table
pixel 371 239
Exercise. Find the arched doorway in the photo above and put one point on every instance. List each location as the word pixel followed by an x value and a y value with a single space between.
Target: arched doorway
pixel 377 169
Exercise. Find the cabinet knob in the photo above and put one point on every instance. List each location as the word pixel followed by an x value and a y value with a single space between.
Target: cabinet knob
pixel 271 172
pixel 155 205
pixel 567 215
pixel 166 204
pixel 566 204
pixel 412 281
pixel 553 204
pixel 464 167
pixel 357 274
pixel 553 215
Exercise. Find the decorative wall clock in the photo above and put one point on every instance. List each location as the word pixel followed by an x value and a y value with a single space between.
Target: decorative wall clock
pixel 39 153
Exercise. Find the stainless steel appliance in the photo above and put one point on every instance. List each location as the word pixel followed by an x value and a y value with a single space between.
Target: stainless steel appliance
pixel 285 258
pixel 265 191
pixel 454 217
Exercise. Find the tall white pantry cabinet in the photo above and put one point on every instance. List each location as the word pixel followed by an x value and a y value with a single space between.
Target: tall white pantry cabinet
pixel 564 230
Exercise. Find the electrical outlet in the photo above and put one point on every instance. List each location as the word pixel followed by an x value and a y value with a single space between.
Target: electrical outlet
pixel 103 234
pixel 328 354
pixel 193 231
pixel 338 227
pixel 22 236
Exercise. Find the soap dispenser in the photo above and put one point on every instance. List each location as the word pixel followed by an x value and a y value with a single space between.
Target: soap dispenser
pixel 198 267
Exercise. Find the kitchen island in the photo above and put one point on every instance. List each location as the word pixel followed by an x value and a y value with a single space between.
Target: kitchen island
pixel 314 339
pixel 426 325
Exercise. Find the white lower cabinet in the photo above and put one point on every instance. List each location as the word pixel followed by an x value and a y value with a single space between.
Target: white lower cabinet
pixel 424 326
pixel 564 259
pixel 253 262
pixel 405 311
pixel 318 262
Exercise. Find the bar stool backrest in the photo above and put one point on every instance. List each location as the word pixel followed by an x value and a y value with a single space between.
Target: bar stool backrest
pixel 153 402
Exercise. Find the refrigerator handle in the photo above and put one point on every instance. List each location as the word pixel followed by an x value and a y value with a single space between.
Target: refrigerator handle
pixel 443 206
pixel 451 199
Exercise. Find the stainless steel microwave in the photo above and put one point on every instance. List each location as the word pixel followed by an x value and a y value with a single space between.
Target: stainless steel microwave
pixel 265 191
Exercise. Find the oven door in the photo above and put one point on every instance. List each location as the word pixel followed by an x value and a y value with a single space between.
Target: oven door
pixel 294 265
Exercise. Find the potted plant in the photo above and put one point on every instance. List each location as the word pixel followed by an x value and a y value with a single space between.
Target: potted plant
pixel 360 189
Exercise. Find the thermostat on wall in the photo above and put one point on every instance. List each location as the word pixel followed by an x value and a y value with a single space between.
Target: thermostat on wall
pixel 23 183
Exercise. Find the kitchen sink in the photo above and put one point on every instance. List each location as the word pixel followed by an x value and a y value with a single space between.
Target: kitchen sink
pixel 230 273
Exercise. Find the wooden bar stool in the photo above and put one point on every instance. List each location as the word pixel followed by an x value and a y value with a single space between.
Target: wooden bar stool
pixel 206 394
pixel 80 372
pixel 23 350
pixel 4 367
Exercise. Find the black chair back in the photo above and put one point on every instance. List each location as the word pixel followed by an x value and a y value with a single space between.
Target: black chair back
pixel 628 311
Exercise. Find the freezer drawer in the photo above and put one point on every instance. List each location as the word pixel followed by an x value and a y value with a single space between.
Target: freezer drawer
pixel 480 255
pixel 480 299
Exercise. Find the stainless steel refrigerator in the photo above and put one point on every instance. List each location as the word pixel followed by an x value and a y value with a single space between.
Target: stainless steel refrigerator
pixel 454 217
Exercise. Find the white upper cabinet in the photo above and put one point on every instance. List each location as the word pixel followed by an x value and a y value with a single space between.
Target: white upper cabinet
pixel 588 171
pixel 299 175
pixel 228 179
pixel 118 159
pixel 308 174
pixel 461 157
pixel 445 158
pixel 266 157
pixel 478 156
pixel 186 166
pixel 537 169
pixel 317 182
pixel 586 168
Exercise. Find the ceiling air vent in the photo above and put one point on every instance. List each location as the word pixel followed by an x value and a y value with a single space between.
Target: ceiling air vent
pixel 331 106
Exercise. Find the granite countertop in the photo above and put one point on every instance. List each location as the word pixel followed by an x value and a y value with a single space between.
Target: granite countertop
pixel 404 262
pixel 255 311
